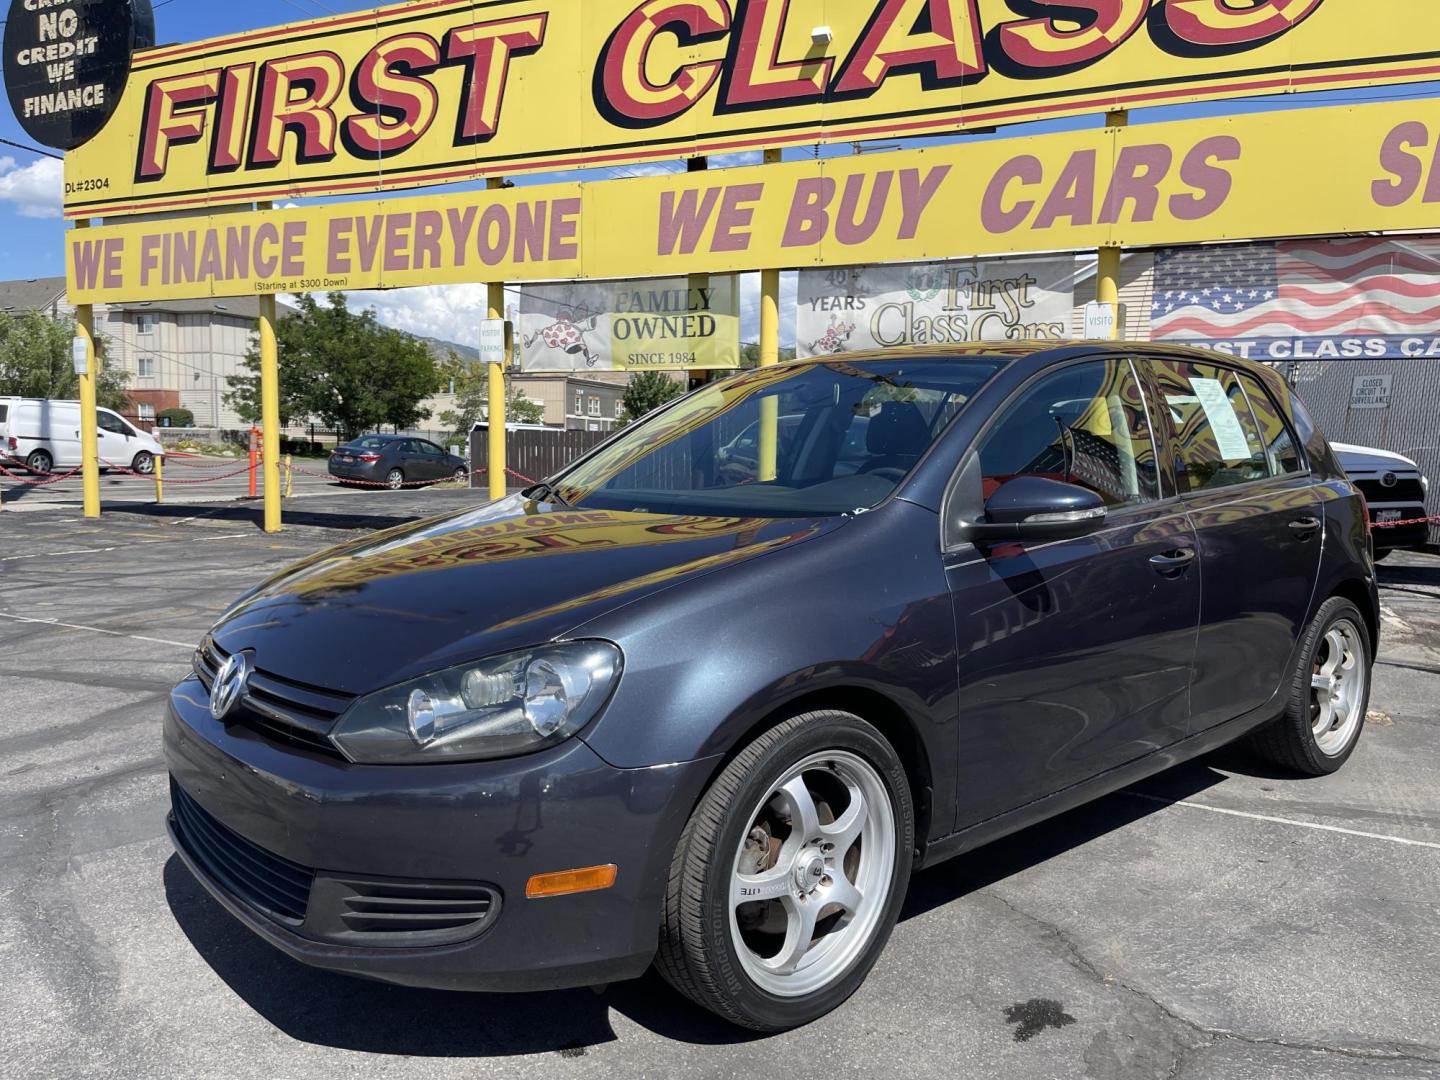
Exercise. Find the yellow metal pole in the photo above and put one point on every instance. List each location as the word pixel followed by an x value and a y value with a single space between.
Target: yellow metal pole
pixel 289 476
pixel 159 480
pixel 1107 272
pixel 769 354
pixel 89 418
pixel 495 454
pixel 270 412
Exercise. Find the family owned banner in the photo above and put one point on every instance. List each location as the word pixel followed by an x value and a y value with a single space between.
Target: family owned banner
pixel 660 324
pixel 866 307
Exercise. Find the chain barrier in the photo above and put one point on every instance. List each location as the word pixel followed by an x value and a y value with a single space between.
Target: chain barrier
pixel 467 476
pixel 54 478
pixel 1433 519
pixel 123 471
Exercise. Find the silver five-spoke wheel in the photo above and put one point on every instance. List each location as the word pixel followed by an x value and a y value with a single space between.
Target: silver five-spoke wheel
pixel 1338 687
pixel 812 876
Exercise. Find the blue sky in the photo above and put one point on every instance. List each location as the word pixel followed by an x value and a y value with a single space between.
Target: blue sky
pixel 31 230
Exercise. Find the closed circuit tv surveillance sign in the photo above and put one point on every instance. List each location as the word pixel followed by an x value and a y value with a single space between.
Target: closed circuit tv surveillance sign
pixel 67 61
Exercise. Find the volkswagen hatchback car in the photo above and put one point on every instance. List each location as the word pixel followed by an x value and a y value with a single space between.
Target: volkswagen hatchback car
pixel 654 712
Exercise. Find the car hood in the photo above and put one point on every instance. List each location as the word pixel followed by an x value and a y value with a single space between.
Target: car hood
pixel 397 604
pixel 1369 457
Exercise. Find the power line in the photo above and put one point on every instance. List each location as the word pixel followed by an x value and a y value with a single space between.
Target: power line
pixel 32 150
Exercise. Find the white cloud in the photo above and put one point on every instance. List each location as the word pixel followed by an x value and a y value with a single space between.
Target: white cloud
pixel 453 312
pixel 37 189
pixel 447 312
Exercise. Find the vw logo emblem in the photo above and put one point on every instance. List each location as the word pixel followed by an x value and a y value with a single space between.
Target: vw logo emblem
pixel 229 685
pixel 1389 480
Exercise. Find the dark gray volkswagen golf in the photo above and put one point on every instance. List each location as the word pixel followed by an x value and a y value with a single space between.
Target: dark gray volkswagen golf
pixel 658 710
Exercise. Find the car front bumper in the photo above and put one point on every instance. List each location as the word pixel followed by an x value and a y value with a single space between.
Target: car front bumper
pixel 489 825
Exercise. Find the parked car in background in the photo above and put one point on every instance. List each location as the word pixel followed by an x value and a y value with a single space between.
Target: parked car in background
pixel 395 461
pixel 1394 489
pixel 44 437
pixel 643 712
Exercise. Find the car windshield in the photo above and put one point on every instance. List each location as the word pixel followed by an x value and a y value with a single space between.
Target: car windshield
pixel 846 433
pixel 369 442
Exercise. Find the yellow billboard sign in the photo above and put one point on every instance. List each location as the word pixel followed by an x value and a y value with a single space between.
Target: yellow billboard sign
pixel 439 91
pixel 1190 181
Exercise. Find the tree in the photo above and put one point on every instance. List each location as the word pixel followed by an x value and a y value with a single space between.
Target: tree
pixel 750 354
pixel 36 361
pixel 343 369
pixel 472 398
pixel 646 392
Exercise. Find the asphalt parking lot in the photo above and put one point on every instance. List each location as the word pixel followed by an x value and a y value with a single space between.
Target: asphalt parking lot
pixel 1220 921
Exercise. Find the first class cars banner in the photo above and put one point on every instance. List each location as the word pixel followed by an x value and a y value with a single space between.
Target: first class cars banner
pixel 438 91
pixel 1185 182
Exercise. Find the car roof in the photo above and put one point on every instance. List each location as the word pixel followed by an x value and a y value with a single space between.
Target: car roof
pixel 1043 350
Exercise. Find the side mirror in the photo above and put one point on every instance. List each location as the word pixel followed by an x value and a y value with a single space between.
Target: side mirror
pixel 1034 508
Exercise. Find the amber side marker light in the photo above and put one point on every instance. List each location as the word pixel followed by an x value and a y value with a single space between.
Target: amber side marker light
pixel 564 882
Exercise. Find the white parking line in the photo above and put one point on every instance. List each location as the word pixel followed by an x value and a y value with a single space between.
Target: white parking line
pixel 97 630
pixel 1285 821
pixel 122 547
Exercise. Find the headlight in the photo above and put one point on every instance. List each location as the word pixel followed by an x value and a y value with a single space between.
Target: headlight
pixel 493 708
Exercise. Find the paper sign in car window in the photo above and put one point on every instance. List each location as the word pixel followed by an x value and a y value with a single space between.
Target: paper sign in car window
pixel 1229 435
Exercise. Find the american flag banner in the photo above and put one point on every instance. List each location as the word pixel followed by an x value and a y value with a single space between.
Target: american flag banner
pixel 1323 299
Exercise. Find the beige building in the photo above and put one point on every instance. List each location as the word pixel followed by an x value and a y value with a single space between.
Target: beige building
pixel 178 353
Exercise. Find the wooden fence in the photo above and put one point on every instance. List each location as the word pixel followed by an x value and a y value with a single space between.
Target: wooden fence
pixel 534 454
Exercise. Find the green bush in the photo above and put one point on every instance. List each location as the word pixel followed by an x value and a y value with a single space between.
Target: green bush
pixel 177 417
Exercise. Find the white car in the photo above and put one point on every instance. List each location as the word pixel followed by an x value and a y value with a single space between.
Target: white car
pixel 1394 490
pixel 44 437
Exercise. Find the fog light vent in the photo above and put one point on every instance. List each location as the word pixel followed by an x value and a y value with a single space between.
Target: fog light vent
pixel 408 914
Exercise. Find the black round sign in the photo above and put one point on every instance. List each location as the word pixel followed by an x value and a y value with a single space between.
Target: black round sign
pixel 66 62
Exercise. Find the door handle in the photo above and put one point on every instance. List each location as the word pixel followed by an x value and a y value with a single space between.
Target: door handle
pixel 1305 527
pixel 1172 562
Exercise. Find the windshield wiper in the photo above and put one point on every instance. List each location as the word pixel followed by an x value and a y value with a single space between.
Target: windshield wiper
pixel 545 491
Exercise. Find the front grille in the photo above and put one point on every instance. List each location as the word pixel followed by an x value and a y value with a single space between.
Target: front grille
pixel 276 886
pixel 281 710
pixel 1406 490
pixel 400 913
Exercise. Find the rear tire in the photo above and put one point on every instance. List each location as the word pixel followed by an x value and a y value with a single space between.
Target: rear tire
pixel 144 463
pixel 40 461
pixel 395 479
pixel 815 819
pixel 1329 695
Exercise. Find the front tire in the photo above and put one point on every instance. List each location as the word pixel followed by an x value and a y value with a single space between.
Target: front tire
pixel 144 463
pixel 1329 695
pixel 789 876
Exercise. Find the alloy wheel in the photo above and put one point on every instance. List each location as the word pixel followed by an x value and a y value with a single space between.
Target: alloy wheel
pixel 1337 687
pixel 812 876
pixel 394 479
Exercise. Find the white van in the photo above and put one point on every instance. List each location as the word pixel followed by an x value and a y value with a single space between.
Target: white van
pixel 44 436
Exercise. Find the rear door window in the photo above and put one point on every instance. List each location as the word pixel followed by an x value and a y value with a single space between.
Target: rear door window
pixel 1216 433
pixel 4 413
pixel 1280 444
pixel 1084 424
